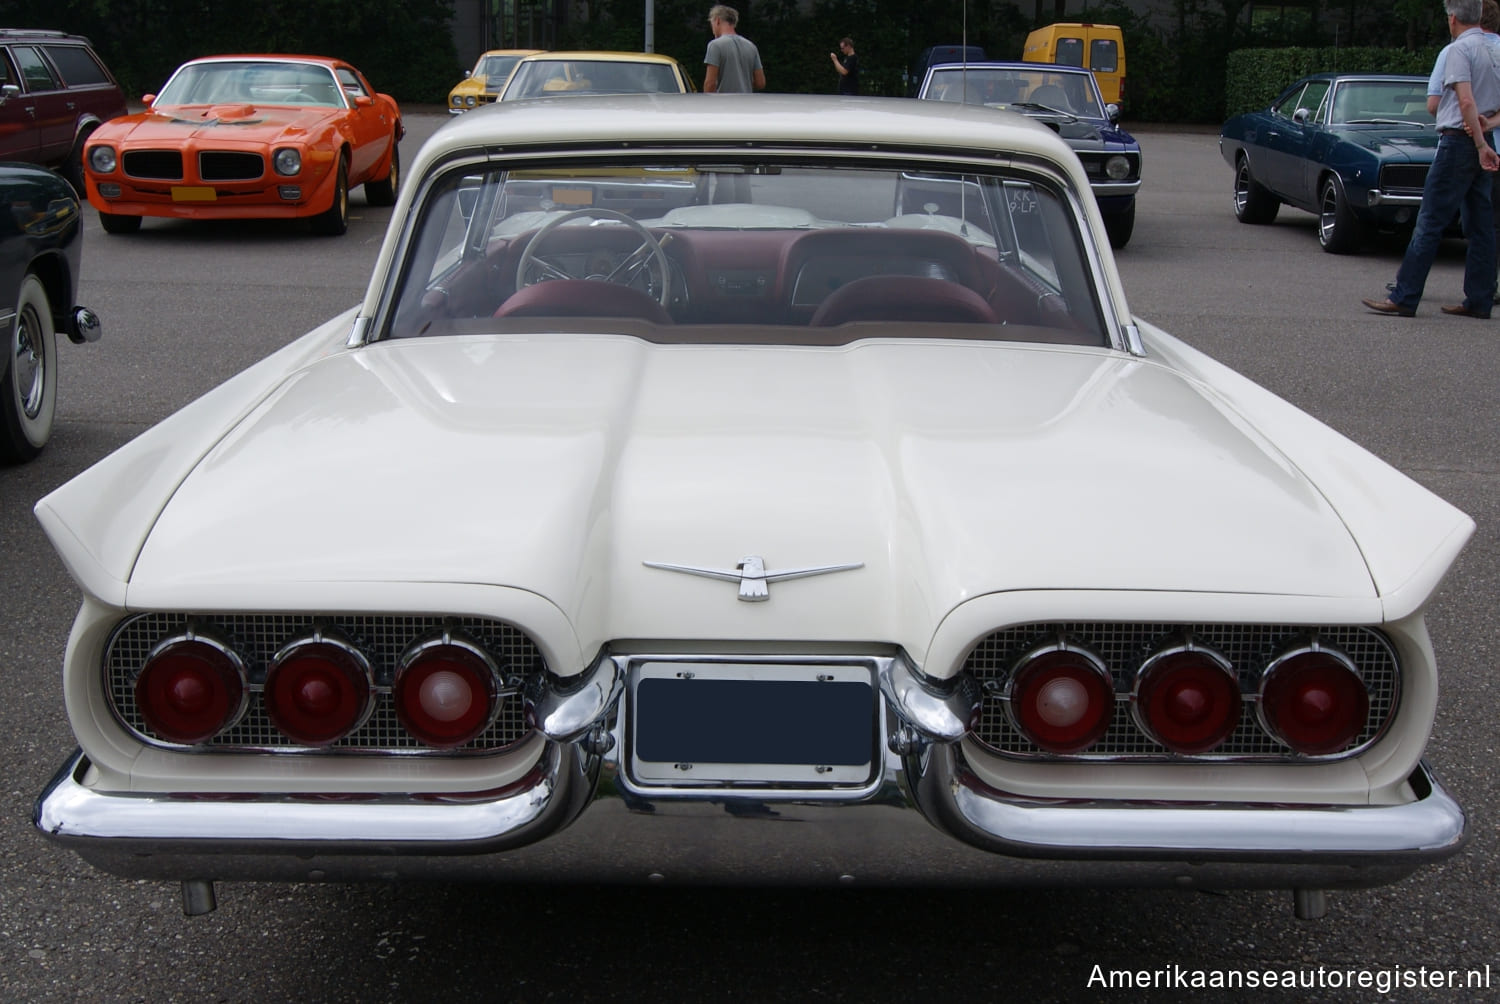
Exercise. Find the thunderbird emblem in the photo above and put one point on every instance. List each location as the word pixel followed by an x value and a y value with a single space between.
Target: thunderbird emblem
pixel 752 575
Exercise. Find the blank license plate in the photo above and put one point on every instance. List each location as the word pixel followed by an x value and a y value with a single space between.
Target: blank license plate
pixel 694 723
pixel 194 193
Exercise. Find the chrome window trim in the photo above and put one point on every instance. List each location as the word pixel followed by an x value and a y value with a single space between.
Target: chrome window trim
pixel 359 332
pixel 388 279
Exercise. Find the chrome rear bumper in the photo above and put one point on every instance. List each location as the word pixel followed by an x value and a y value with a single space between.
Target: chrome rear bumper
pixel 575 818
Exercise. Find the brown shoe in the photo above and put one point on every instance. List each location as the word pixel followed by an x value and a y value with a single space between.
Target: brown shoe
pixel 1459 310
pixel 1387 307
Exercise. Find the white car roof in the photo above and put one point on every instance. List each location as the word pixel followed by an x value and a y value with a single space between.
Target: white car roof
pixel 772 119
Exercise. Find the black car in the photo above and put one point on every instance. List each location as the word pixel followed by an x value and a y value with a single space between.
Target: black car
pixel 41 243
pixel 1067 100
pixel 54 92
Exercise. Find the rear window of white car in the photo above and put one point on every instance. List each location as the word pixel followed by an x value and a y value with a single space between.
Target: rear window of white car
pixel 759 250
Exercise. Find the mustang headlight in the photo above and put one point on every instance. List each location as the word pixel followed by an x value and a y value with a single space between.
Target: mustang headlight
pixel 469 100
pixel 288 162
pixel 1117 167
pixel 102 159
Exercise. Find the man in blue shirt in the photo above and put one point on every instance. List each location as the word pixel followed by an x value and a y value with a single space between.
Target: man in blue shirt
pixel 1489 23
pixel 1461 174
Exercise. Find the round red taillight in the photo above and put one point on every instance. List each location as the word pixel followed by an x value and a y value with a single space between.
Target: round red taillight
pixel 190 689
pixel 446 691
pixel 1187 699
pixel 318 691
pixel 1314 700
pixel 1061 698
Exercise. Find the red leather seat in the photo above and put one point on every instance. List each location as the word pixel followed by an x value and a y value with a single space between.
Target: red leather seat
pixel 583 298
pixel 903 298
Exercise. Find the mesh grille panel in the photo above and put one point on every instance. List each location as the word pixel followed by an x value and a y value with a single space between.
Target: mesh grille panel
pixel 1404 178
pixel 382 639
pixel 218 165
pixel 165 165
pixel 1123 647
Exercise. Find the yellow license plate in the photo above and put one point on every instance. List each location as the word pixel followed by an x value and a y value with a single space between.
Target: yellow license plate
pixel 573 196
pixel 193 193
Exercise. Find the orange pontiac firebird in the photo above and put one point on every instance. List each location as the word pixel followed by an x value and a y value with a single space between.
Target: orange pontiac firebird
pixel 240 137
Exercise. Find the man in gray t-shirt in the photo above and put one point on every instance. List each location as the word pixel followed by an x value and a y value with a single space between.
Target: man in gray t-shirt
pixel 732 61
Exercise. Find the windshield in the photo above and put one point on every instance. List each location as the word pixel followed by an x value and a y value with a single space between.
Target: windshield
pixel 1070 93
pixel 756 250
pixel 495 69
pixel 258 82
pixel 1403 101
pixel 546 77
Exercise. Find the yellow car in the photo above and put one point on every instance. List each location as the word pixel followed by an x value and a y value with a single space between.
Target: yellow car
pixel 482 85
pixel 551 73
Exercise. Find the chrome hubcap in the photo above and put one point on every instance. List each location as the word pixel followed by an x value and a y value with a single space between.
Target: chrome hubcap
pixel 29 363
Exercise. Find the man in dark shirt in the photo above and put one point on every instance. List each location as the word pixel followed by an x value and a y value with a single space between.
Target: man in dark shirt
pixel 847 63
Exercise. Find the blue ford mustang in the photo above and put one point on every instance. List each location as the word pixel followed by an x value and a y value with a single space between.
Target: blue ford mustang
pixel 1352 148
pixel 1067 99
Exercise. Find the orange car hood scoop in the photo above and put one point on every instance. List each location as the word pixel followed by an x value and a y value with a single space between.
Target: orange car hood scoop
pixel 225 115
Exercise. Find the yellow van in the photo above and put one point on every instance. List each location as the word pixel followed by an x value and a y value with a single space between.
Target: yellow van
pixel 1099 47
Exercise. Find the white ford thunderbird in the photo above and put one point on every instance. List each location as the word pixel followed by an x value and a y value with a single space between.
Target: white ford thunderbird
pixel 695 464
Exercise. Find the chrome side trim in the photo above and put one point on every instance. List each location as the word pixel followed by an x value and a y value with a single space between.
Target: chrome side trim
pixel 1133 343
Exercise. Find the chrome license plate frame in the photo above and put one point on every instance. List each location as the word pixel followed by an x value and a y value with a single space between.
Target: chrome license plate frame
pixel 772 724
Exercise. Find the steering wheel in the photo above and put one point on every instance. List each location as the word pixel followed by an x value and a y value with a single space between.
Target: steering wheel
pixel 644 257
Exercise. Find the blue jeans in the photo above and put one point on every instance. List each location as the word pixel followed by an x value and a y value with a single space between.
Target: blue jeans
pixel 1455 182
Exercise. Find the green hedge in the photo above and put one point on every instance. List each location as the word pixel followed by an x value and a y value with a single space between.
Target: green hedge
pixel 404 47
pixel 1254 77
